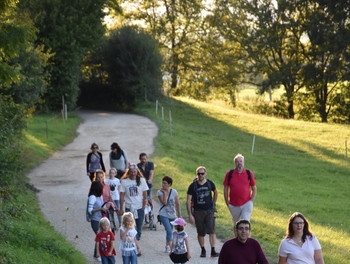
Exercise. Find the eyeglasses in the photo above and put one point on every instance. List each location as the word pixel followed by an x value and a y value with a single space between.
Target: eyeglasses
pixel 95 148
pixel 164 182
pixel 200 173
pixel 243 228
pixel 298 223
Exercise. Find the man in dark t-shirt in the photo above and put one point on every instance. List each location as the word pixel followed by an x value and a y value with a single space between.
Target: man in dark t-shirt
pixel 147 169
pixel 201 207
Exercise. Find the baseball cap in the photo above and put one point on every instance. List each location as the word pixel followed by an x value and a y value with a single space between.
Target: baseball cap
pixel 178 221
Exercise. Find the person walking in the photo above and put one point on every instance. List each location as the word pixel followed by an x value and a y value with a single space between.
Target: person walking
pixel 133 192
pixel 201 207
pixel 94 161
pixel 180 250
pixel 239 190
pixel 147 169
pixel 242 249
pixel 129 247
pixel 105 242
pixel 300 245
pixel 118 159
pixel 170 208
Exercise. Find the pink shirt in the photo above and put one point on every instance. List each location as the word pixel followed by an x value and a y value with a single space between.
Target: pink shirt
pixel 106 193
pixel 240 187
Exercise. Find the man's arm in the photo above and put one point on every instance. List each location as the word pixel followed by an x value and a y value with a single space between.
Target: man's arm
pixel 189 208
pixel 253 194
pixel 226 187
pixel 215 197
pixel 150 179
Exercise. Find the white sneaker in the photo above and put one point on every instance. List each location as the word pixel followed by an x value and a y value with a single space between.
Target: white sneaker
pixel 99 259
pixel 167 249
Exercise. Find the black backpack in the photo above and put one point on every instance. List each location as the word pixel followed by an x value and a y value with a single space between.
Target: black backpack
pixel 231 173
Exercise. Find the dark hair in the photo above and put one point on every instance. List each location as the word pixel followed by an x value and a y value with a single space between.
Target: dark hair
pixel 93 145
pixel 168 179
pixel 116 146
pixel 242 221
pixel 290 230
pixel 179 228
pixel 96 189
pixel 142 154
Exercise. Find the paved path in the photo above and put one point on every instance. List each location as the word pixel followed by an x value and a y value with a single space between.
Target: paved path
pixel 64 186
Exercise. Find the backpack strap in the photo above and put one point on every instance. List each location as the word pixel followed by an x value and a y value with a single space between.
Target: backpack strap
pixel 231 173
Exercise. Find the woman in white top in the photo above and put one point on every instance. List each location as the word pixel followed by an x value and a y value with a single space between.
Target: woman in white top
pixel 299 246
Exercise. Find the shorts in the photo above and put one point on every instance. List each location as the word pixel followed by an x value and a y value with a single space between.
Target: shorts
pixel 241 212
pixel 205 222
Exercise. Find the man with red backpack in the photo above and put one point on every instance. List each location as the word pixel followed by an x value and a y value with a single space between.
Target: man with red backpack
pixel 239 190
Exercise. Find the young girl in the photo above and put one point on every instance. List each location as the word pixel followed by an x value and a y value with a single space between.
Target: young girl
pixel 180 252
pixel 105 242
pixel 129 246
pixel 114 184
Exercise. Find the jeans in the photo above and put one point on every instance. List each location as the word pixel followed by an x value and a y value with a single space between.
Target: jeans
pixel 108 260
pixel 130 259
pixel 138 221
pixel 119 216
pixel 95 226
pixel 168 227
pixel 149 192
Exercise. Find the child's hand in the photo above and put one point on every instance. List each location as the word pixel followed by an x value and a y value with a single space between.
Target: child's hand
pixel 188 255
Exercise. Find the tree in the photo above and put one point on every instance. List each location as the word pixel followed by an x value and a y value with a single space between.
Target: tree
pixel 67 29
pixel 125 67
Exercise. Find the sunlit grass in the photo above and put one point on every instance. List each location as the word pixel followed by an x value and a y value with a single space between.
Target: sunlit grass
pixel 299 166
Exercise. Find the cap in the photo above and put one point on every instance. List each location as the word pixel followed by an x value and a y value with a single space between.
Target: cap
pixel 179 221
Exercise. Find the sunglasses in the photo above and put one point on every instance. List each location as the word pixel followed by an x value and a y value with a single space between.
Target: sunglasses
pixel 200 173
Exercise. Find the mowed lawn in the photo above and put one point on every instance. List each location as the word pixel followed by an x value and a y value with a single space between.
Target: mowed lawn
pixel 299 166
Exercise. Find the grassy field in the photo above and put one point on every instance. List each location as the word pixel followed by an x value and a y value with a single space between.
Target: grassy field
pixel 28 237
pixel 299 166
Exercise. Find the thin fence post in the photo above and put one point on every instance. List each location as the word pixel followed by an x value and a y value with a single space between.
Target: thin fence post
pixel 253 144
pixel 170 123
pixel 47 129
pixel 156 107
pixel 63 107
pixel 162 113
pixel 65 112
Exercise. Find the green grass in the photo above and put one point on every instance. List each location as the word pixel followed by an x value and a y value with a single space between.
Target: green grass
pixel 299 166
pixel 26 237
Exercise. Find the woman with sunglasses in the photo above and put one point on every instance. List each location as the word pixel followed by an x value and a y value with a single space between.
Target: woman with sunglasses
pixel 300 245
pixel 94 161
pixel 169 210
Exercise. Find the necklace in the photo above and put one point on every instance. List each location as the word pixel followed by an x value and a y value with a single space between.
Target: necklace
pixel 298 242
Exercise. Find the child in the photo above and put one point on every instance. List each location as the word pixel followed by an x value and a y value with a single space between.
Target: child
pixel 105 242
pixel 129 246
pixel 180 252
pixel 114 184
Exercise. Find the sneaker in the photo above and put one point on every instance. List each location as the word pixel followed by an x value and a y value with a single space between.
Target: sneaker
pixel 214 254
pixel 167 249
pixel 203 254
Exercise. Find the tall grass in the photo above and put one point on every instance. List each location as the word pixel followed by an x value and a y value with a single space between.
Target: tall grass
pixel 299 166
pixel 26 237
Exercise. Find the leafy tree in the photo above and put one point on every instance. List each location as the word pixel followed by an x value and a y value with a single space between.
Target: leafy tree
pixel 125 67
pixel 67 29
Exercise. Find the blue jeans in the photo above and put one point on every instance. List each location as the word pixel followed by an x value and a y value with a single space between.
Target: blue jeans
pixel 130 259
pixel 138 221
pixel 108 260
pixel 95 226
pixel 119 216
pixel 168 227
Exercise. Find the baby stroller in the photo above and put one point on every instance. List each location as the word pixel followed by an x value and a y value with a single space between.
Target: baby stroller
pixel 149 211
pixel 110 215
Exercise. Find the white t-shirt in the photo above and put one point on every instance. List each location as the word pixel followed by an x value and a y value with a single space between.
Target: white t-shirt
pixel 179 242
pixel 128 245
pixel 114 185
pixel 133 194
pixel 299 255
